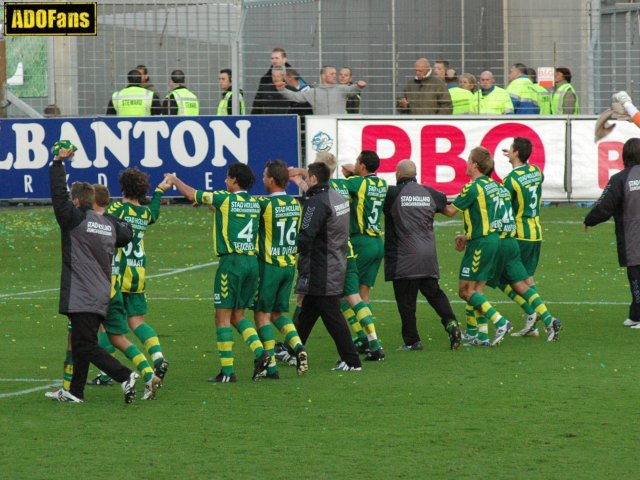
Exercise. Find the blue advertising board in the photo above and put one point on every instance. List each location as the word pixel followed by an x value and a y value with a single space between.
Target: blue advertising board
pixel 197 149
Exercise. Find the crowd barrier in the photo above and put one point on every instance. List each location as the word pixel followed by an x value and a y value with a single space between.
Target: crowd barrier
pixel 198 149
pixel 576 168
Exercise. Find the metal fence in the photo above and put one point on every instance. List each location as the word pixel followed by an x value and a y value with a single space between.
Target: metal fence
pixel 379 39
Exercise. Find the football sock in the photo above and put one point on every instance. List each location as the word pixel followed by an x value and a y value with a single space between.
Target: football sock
pixel 68 371
pixel 365 319
pixel 483 326
pixel 149 339
pixel 224 336
pixel 481 304
pixel 289 332
pixel 250 336
pixel 103 341
pixel 533 298
pixel 352 320
pixel 518 299
pixel 268 337
pixel 472 324
pixel 138 359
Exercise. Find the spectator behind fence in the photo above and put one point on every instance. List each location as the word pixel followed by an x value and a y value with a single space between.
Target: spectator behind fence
pixel 146 81
pixel 523 94
pixel 468 82
pixel 491 99
pixel 292 78
pixel 52 110
pixel 353 101
pixel 544 96
pixel 328 98
pixel 426 94
pixel 264 95
pixel 461 99
pixel 134 100
pixel 270 101
pixel 565 98
pixel 225 81
pixel 179 100
pixel 440 69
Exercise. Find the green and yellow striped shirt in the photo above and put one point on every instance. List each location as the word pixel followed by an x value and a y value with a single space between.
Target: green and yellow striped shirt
pixel 479 201
pixel 133 259
pixel 525 185
pixel 279 225
pixel 235 222
pixel 367 200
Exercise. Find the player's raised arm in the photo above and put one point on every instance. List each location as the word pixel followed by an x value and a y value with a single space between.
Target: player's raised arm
pixel 186 190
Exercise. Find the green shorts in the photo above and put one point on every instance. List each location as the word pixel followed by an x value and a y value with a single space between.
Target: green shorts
pixel 530 255
pixel 351 278
pixel 134 303
pixel 236 281
pixel 509 267
pixel 478 263
pixel 274 290
pixel 116 321
pixel 370 252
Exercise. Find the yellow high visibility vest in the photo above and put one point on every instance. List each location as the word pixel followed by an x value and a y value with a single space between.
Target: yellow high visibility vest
pixel 132 101
pixel 557 100
pixel 223 105
pixel 186 101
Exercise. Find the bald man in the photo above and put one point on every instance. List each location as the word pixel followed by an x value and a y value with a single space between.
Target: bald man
pixel 410 259
pixel 490 99
pixel 425 94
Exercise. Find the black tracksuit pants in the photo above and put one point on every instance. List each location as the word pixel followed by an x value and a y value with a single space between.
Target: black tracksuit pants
pixel 328 308
pixel 85 350
pixel 633 274
pixel 406 293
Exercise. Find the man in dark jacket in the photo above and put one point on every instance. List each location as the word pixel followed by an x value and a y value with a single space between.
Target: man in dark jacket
pixel 322 264
pixel 410 260
pixel 268 100
pixel 620 199
pixel 88 244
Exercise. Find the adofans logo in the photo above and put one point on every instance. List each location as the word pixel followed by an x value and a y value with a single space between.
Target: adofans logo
pixel 50 18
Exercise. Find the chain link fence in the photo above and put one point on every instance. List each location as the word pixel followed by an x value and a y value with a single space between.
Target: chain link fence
pixel 599 40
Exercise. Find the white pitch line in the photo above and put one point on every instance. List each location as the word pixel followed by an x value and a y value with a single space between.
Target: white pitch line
pixel 156 275
pixel 30 390
pixel 27 380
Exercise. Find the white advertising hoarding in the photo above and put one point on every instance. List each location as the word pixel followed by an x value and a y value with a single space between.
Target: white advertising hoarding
pixel 592 164
pixel 440 146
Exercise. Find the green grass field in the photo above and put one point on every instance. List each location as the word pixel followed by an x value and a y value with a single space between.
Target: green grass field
pixel 528 409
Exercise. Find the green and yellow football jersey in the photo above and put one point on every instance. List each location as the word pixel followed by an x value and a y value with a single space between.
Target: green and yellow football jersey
pixel 340 186
pixel 235 222
pixel 367 200
pixel 525 185
pixel 504 222
pixel 479 201
pixel 279 224
pixel 133 259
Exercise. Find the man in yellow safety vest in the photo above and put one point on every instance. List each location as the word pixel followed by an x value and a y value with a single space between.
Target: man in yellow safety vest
pixel 224 106
pixel 180 101
pixel 134 100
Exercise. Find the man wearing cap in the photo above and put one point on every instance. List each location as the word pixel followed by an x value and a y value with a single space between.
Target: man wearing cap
pixel 564 100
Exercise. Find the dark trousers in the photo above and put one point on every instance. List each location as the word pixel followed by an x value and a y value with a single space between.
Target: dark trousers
pixel 406 293
pixel 328 308
pixel 633 274
pixel 85 350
